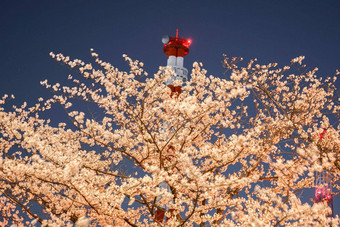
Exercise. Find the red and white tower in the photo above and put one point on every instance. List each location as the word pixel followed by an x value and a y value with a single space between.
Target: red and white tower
pixel 176 48
pixel 323 190
pixel 323 185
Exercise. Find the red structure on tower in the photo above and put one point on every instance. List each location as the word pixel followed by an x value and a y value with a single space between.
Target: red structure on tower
pixel 176 48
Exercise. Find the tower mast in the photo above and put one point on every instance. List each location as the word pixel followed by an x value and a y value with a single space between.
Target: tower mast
pixel 175 48
pixel 323 186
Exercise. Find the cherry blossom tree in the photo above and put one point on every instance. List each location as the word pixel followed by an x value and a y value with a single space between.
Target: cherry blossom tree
pixel 233 151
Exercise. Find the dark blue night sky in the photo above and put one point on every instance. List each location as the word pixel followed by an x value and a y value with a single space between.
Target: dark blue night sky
pixel 272 31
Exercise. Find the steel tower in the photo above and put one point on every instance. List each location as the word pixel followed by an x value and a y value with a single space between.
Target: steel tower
pixel 323 185
pixel 175 48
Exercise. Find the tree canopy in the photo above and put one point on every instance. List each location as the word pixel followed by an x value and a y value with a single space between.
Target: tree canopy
pixel 233 150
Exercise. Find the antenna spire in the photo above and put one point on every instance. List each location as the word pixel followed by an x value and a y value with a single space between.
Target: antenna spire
pixel 176 33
